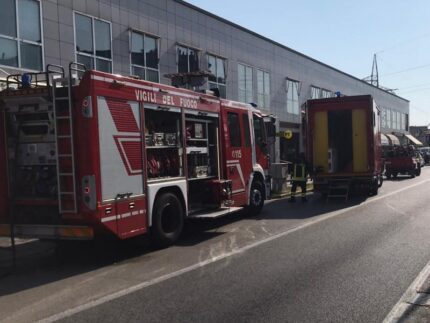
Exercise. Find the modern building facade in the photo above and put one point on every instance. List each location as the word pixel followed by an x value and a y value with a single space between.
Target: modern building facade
pixel 152 38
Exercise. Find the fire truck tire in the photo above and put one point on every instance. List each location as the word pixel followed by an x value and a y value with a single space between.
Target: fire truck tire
pixel 167 220
pixel 256 199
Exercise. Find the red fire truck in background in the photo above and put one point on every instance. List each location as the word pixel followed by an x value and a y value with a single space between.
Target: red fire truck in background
pixel 125 156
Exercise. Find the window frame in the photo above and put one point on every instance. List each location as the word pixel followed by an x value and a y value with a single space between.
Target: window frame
pixel 208 54
pixel 246 129
pixel 325 94
pixel 246 89
pixel 198 54
pixel 235 140
pixel 318 89
pixel 93 56
pixel 292 81
pixel 157 40
pixel 18 40
pixel 265 96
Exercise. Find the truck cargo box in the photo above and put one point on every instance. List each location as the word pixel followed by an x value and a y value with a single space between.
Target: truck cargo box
pixel 343 142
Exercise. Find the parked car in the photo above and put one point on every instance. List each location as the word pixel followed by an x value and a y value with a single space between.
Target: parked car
pixel 401 160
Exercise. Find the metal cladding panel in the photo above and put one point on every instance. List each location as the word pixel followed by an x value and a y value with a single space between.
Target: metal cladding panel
pixel 121 160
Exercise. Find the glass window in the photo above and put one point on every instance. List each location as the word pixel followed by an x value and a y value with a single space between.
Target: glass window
pixel 315 92
pixel 383 118
pixel 137 49
pixel 8 52
pixel 86 60
pixel 103 65
pixel 188 60
pixel 29 20
pixel 151 52
pixel 388 117
pixel 103 43
pixel 263 89
pixel 259 131
pixel 31 56
pixel 144 57
pixel 247 133
pixel 194 60
pixel 292 96
pixel 326 94
pixel 93 51
pixel 216 67
pixel 24 14
pixel 84 34
pixel 182 59
pixel 8 18
pixel 234 129
pixel 245 83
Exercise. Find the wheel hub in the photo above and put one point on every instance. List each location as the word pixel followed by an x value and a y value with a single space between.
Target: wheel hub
pixel 256 197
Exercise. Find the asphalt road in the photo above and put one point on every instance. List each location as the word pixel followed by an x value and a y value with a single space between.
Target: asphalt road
pixel 314 262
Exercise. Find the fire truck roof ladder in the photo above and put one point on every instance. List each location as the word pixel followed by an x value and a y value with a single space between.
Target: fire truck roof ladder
pixel 66 178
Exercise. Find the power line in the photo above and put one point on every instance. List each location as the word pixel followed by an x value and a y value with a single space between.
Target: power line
pixel 403 42
pixel 413 91
pixel 407 70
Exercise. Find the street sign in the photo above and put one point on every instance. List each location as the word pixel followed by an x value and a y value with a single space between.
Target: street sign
pixel 287 134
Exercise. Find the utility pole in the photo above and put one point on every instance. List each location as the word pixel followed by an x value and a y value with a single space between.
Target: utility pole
pixel 374 77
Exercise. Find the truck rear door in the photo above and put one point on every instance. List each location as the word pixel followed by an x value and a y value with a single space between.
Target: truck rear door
pixel 359 140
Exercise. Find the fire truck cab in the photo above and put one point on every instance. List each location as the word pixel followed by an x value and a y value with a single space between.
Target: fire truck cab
pixel 106 153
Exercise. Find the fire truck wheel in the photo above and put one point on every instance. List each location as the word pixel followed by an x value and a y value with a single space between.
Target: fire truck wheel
pixel 167 220
pixel 256 199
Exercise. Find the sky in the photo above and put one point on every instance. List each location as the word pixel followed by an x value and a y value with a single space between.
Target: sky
pixel 346 34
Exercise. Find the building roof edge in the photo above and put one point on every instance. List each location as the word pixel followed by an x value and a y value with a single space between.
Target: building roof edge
pixel 191 6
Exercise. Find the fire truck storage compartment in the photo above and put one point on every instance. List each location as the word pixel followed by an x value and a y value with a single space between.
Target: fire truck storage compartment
pixel 163 140
pixel 32 161
pixel 340 141
pixel 202 159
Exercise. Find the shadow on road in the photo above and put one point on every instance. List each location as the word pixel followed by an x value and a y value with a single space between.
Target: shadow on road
pixel 44 262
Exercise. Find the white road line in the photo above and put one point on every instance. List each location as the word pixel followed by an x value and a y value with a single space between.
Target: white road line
pixel 182 271
pixel 409 296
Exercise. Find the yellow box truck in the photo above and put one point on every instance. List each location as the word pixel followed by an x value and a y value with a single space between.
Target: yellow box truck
pixel 343 145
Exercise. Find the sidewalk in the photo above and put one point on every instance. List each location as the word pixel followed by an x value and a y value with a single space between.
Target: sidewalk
pixel 414 306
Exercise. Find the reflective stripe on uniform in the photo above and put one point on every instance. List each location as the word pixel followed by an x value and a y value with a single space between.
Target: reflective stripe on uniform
pixel 299 173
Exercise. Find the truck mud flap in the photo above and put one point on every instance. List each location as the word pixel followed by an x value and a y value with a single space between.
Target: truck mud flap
pixel 56 232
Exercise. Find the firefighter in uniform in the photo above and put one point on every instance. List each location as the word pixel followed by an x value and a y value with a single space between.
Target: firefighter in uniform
pixel 299 173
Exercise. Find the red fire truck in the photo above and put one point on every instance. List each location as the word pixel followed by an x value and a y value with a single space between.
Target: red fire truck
pixel 106 153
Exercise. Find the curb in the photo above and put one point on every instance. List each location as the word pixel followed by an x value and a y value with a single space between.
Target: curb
pixel 414 305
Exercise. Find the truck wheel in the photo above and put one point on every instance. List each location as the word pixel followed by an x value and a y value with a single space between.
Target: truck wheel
pixel 418 171
pixel 380 180
pixel 256 198
pixel 373 189
pixel 167 220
